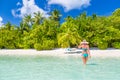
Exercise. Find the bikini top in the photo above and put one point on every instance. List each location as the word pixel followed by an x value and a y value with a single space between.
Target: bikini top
pixel 84 49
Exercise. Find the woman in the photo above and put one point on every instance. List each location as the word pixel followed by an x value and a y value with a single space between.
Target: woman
pixel 85 51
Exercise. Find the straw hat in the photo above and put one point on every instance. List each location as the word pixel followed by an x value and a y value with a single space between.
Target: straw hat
pixel 84 42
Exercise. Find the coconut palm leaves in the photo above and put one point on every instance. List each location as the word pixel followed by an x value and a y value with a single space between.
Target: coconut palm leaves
pixel 38 17
pixel 69 33
pixel 55 15
pixel 68 38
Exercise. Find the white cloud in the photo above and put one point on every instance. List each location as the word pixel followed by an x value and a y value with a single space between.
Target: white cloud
pixel 18 4
pixel 70 4
pixel 29 7
pixel 1 23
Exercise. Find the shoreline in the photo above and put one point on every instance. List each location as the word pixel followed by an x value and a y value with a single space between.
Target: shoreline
pixel 59 52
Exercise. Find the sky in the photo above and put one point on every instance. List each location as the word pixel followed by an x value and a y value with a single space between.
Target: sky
pixel 14 10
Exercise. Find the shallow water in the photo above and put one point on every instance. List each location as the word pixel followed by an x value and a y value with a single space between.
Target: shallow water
pixel 58 68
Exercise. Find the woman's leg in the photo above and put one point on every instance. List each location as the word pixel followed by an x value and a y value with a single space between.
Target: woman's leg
pixel 84 59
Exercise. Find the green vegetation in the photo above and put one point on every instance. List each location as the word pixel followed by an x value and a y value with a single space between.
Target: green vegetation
pixel 43 33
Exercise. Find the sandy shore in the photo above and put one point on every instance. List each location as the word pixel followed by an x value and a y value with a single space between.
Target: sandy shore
pixel 60 52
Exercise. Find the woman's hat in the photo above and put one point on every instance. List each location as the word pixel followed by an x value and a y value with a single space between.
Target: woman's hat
pixel 84 42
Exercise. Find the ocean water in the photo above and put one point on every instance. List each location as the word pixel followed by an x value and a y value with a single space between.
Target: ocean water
pixel 58 68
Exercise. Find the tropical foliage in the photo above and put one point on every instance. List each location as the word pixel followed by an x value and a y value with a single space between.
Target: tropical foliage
pixel 43 33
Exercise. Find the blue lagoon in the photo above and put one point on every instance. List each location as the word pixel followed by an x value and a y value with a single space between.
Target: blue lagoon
pixel 58 68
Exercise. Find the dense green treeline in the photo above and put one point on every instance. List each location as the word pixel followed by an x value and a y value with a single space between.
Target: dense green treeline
pixel 43 33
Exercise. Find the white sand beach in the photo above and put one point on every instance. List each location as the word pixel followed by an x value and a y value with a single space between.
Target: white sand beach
pixel 61 52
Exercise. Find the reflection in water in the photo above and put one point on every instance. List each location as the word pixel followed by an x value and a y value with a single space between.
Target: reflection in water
pixel 92 64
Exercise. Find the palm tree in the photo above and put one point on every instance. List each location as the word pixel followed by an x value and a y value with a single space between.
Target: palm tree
pixel 38 17
pixel 116 12
pixel 94 16
pixel 55 15
pixel 68 38
pixel 83 15
pixel 28 20
pixel 69 34
pixel 26 23
pixel 68 18
pixel 8 26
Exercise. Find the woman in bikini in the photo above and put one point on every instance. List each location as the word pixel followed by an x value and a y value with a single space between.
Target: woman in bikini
pixel 85 51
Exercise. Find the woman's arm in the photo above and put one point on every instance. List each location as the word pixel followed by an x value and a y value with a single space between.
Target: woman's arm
pixel 79 46
pixel 89 51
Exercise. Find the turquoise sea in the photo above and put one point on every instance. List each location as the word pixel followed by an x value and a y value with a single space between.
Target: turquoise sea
pixel 58 68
